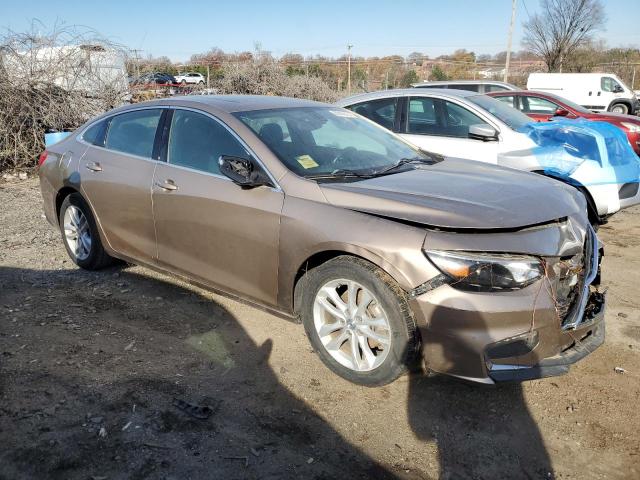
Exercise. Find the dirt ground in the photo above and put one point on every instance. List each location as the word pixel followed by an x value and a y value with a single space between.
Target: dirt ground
pixel 92 363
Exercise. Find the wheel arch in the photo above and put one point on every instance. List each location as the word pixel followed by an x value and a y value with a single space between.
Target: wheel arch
pixel 63 193
pixel 623 101
pixel 329 252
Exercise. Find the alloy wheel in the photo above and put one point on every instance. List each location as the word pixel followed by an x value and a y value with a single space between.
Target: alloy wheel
pixel 77 233
pixel 352 325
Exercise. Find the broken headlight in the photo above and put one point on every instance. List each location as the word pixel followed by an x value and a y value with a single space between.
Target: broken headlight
pixel 487 272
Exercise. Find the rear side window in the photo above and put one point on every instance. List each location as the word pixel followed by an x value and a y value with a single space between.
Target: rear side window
pixel 382 111
pixel 494 88
pixel 508 99
pixel 95 134
pixel 134 132
pixel 464 86
pixel 538 105
pixel 197 141
pixel 422 116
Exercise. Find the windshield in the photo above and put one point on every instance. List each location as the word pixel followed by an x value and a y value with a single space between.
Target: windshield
pixel 503 112
pixel 322 141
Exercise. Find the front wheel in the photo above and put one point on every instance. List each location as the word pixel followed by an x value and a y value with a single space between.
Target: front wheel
pixel 80 234
pixel 620 108
pixel 358 320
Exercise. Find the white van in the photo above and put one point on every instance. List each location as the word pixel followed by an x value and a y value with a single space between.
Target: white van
pixel 598 92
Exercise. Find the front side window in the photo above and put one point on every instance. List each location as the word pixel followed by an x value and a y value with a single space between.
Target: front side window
pixel 133 132
pixel 506 114
pixel 197 141
pixel 538 105
pixel 608 84
pixel 382 111
pixel 328 141
pixel 458 120
pixel 422 119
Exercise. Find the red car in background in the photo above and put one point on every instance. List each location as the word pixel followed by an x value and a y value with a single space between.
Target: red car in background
pixel 545 106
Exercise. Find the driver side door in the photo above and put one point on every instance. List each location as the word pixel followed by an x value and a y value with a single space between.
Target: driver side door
pixel 208 228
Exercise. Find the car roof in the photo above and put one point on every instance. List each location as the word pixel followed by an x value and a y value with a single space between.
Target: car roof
pixel 406 92
pixel 235 103
pixel 462 82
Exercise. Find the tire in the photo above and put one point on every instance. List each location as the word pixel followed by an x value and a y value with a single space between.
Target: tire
pixel 93 255
pixel 620 108
pixel 200 82
pixel 388 302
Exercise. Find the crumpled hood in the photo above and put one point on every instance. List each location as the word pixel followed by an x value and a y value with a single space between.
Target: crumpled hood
pixel 461 194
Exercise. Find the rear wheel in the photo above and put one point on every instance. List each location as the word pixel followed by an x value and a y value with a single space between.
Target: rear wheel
pixel 620 108
pixel 358 320
pixel 80 234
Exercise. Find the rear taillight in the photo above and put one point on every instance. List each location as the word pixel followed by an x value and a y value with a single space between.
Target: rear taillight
pixel 42 158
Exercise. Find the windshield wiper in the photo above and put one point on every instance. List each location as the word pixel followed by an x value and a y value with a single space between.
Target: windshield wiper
pixel 401 162
pixel 341 172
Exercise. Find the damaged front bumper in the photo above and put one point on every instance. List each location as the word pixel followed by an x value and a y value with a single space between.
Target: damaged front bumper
pixel 576 344
pixel 491 337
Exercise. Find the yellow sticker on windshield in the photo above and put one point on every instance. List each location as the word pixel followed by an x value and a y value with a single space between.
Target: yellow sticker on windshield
pixel 306 161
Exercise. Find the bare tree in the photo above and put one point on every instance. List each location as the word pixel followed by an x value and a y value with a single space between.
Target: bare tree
pixel 561 27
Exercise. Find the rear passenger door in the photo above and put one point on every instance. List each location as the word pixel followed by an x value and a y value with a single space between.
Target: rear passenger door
pixel 209 228
pixel 442 126
pixel 116 174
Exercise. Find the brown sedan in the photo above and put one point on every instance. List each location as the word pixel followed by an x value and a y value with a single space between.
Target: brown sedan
pixel 388 254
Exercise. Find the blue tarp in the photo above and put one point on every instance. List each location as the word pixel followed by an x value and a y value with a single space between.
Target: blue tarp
pixel 564 145
pixel 55 137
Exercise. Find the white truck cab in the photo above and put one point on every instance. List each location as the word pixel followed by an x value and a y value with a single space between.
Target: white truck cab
pixel 599 92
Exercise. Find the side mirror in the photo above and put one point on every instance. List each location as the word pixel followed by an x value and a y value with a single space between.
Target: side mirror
pixel 484 132
pixel 561 112
pixel 618 89
pixel 243 171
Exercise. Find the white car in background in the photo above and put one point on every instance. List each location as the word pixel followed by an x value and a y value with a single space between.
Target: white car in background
pixel 463 124
pixel 193 78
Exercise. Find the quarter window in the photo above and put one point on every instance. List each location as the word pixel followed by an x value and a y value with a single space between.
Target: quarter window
pixel 197 141
pixel 382 111
pixel 134 132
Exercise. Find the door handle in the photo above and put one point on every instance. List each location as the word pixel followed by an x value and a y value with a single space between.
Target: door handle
pixel 94 167
pixel 167 185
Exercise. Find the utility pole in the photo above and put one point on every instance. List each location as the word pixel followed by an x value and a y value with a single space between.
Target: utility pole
pixel 349 70
pixel 135 52
pixel 513 19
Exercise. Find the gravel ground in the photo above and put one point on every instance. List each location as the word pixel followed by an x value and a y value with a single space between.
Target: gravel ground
pixel 94 367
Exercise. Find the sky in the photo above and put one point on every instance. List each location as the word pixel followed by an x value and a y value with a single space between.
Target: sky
pixel 181 28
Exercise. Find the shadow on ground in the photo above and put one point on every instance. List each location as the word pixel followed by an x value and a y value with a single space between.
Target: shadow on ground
pixel 75 359
pixel 91 361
